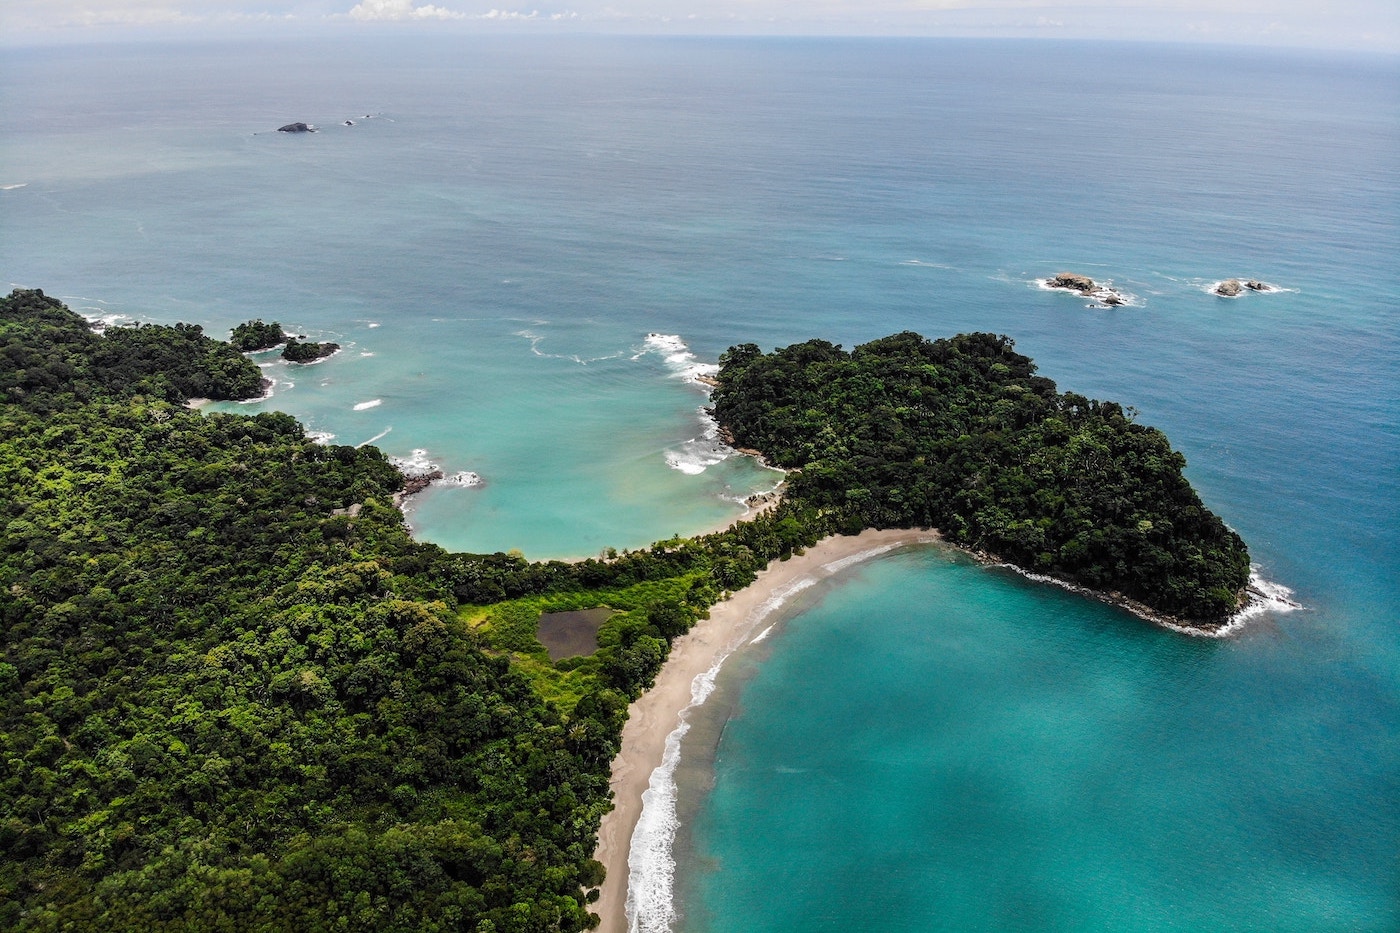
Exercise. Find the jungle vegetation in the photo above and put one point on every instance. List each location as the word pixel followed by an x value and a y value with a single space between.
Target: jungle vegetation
pixel 307 351
pixel 961 434
pixel 229 701
pixel 251 336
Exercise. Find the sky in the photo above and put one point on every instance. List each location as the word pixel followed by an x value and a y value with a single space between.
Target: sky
pixel 1343 24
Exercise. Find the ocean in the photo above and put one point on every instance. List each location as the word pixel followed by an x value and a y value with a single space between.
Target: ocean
pixel 527 248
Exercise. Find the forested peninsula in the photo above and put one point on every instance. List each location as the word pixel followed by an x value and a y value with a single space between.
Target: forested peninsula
pixel 230 701
pixel 962 435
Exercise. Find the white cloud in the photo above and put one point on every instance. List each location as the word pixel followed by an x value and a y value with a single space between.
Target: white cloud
pixel 369 10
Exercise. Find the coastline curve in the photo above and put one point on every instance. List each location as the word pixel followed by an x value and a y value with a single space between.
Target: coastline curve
pixel 635 836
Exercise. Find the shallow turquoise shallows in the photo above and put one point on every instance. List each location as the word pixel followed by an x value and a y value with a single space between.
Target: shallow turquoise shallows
pixel 528 248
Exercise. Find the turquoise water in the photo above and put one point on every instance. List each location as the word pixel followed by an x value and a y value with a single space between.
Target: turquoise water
pixel 937 746
pixel 928 744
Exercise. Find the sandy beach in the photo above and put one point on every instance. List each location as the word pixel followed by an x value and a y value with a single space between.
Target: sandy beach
pixel 657 713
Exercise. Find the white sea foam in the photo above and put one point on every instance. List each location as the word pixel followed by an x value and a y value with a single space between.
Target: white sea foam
pixel 270 387
pixel 320 437
pixel 417 463
pixel 100 322
pixel 376 437
pixel 1263 597
pixel 698 454
pixel 366 353
pixel 651 866
pixel 463 478
pixel 372 403
pixel 679 359
pixel 838 565
pixel 23 184
pixel 420 463
pixel 372 324
pixel 98 317
pixel 535 340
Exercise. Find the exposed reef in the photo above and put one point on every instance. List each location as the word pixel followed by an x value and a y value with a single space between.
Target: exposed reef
pixel 1233 288
pixel 1083 285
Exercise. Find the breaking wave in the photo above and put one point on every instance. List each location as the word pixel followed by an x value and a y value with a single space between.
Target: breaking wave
pixel 678 356
pixel 420 464
pixel 651 864
pixel 1263 597
pixel 698 454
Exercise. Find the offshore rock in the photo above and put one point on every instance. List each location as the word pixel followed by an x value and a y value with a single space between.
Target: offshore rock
pixel 296 128
pixel 1230 288
pixel 1078 283
pixel 1070 281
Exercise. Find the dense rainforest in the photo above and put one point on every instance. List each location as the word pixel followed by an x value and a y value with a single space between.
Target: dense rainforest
pixel 962 435
pixel 235 695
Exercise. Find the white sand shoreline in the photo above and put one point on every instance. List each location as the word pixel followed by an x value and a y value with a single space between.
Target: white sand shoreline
pixel 654 716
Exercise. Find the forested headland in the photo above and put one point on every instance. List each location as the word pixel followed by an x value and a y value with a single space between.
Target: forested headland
pixel 962 435
pixel 231 700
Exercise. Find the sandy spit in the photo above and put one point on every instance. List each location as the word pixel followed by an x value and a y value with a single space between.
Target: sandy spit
pixel 653 717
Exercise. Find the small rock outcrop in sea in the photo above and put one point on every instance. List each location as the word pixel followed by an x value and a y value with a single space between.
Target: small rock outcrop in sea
pixel 1073 282
pixel 1079 283
pixel 1233 288
pixel 296 128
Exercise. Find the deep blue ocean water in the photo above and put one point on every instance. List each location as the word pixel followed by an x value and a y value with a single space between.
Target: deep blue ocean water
pixel 927 744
